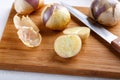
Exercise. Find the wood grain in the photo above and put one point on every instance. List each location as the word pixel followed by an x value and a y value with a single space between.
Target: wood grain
pixel 97 57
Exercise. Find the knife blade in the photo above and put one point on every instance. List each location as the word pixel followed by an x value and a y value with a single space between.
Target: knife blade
pixel 112 39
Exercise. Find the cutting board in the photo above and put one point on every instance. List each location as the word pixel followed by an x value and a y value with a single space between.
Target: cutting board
pixel 96 57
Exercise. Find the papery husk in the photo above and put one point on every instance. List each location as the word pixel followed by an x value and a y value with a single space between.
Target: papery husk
pixel 24 21
pixel 29 36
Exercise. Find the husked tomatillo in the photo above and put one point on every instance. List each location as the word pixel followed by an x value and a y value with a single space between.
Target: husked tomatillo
pixel 27 6
pixel 106 12
pixel 55 16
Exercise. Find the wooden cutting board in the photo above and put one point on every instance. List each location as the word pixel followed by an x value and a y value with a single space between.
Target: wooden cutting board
pixel 96 58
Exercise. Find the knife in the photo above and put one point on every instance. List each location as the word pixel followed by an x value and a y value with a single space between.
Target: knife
pixel 112 39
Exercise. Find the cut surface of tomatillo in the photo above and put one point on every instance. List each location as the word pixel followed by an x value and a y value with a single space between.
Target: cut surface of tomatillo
pixel 83 32
pixel 67 46
pixel 29 36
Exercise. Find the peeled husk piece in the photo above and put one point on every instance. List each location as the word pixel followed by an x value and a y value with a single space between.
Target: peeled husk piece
pixel 24 21
pixel 28 32
pixel 29 36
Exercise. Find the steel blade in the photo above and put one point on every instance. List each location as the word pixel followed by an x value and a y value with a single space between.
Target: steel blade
pixel 97 28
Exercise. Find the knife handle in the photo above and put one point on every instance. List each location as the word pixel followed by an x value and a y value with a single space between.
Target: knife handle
pixel 116 44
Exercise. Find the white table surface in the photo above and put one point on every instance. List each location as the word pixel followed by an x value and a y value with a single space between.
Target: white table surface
pixel 5 7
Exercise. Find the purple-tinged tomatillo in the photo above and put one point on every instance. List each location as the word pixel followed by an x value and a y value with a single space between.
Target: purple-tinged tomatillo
pixel 106 12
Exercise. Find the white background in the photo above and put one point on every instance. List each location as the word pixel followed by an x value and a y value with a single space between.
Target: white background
pixel 5 7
